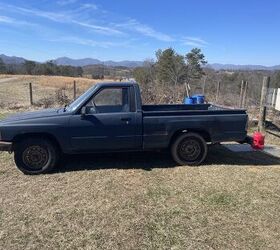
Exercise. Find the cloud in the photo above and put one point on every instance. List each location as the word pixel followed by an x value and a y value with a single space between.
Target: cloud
pixel 83 15
pixel 12 21
pixel 63 17
pixel 66 2
pixel 57 17
pixel 89 6
pixel 77 17
pixel 101 29
pixel 5 19
pixel 194 41
pixel 145 30
pixel 89 42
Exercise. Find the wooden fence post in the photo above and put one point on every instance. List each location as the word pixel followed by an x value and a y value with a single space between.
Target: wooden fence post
pixel 218 91
pixel 75 90
pixel 265 86
pixel 245 91
pixel 273 98
pixel 30 94
pixel 204 85
pixel 241 94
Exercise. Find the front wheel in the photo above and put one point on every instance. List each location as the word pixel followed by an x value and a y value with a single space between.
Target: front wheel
pixel 189 149
pixel 36 156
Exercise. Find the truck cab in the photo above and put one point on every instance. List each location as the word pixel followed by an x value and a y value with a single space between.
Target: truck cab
pixel 110 119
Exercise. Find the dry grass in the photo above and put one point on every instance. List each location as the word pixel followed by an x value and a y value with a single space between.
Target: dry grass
pixel 14 94
pixel 272 137
pixel 136 201
pixel 142 201
pixel 52 80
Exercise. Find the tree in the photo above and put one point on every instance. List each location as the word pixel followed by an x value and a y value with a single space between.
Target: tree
pixel 171 67
pixel 275 83
pixel 29 67
pixel 195 59
pixel 50 68
pixel 3 68
pixel 146 73
pixel 79 71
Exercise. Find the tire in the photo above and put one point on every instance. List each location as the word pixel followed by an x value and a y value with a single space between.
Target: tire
pixel 189 149
pixel 36 156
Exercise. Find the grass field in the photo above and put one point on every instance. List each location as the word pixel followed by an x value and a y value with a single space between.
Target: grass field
pixel 14 89
pixel 143 201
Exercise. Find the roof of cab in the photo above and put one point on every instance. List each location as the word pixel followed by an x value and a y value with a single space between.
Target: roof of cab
pixel 118 84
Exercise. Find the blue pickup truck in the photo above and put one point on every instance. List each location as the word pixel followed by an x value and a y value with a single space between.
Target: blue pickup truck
pixel 111 117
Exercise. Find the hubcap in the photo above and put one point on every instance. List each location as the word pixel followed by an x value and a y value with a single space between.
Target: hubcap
pixel 189 150
pixel 35 157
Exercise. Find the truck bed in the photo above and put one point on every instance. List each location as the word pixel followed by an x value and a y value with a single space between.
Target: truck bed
pixel 183 109
pixel 217 124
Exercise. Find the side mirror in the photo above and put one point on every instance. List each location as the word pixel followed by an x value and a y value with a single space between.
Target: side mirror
pixel 83 111
pixel 87 110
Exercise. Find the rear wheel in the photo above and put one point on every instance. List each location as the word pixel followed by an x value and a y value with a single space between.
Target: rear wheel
pixel 189 149
pixel 36 156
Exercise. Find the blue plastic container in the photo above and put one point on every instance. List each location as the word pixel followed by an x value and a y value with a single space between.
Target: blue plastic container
pixel 189 100
pixel 199 99
pixel 194 99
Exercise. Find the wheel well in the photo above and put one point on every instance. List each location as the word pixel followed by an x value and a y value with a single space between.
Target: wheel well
pixel 203 133
pixel 21 137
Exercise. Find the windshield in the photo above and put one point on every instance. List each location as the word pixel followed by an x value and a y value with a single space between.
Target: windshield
pixel 75 104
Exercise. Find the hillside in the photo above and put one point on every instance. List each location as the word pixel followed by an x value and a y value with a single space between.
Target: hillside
pixel 131 64
pixel 218 66
pixel 92 61
pixel 12 59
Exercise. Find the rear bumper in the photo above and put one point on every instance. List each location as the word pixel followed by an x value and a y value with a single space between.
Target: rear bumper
pixel 5 146
pixel 248 140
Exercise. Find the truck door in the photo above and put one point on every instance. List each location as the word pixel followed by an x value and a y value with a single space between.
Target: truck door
pixel 110 123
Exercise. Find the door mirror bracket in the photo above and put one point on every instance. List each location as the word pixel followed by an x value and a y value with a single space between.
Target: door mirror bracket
pixel 86 110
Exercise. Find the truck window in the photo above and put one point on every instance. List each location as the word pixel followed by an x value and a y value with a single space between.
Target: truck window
pixel 111 100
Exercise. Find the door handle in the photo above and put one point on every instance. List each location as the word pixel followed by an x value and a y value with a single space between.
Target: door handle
pixel 125 119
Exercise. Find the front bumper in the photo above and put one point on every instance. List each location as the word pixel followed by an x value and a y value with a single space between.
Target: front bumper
pixel 5 146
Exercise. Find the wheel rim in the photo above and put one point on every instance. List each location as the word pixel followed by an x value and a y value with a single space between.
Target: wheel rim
pixel 189 150
pixel 35 157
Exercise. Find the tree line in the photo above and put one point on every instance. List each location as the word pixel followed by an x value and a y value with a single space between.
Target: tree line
pixel 50 68
pixel 34 68
pixel 172 76
pixel 172 68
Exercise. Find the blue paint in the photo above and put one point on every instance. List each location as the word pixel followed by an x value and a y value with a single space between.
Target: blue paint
pixel 198 99
pixel 189 100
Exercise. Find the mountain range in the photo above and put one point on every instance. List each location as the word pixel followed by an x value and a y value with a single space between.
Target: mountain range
pixel 12 59
pixel 218 66
pixel 92 61
pixel 132 64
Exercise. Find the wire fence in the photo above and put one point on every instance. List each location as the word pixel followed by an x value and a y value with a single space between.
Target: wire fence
pixel 20 94
pixel 273 98
pixel 24 94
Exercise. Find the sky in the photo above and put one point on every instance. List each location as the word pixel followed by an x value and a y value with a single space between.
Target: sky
pixel 227 31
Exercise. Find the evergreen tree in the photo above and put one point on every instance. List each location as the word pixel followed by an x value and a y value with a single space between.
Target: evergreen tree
pixel 29 67
pixel 3 68
pixel 171 67
pixel 195 59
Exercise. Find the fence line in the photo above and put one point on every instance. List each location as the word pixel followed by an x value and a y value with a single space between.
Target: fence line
pixel 237 96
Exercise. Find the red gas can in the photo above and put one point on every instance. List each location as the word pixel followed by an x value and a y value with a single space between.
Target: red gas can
pixel 258 141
